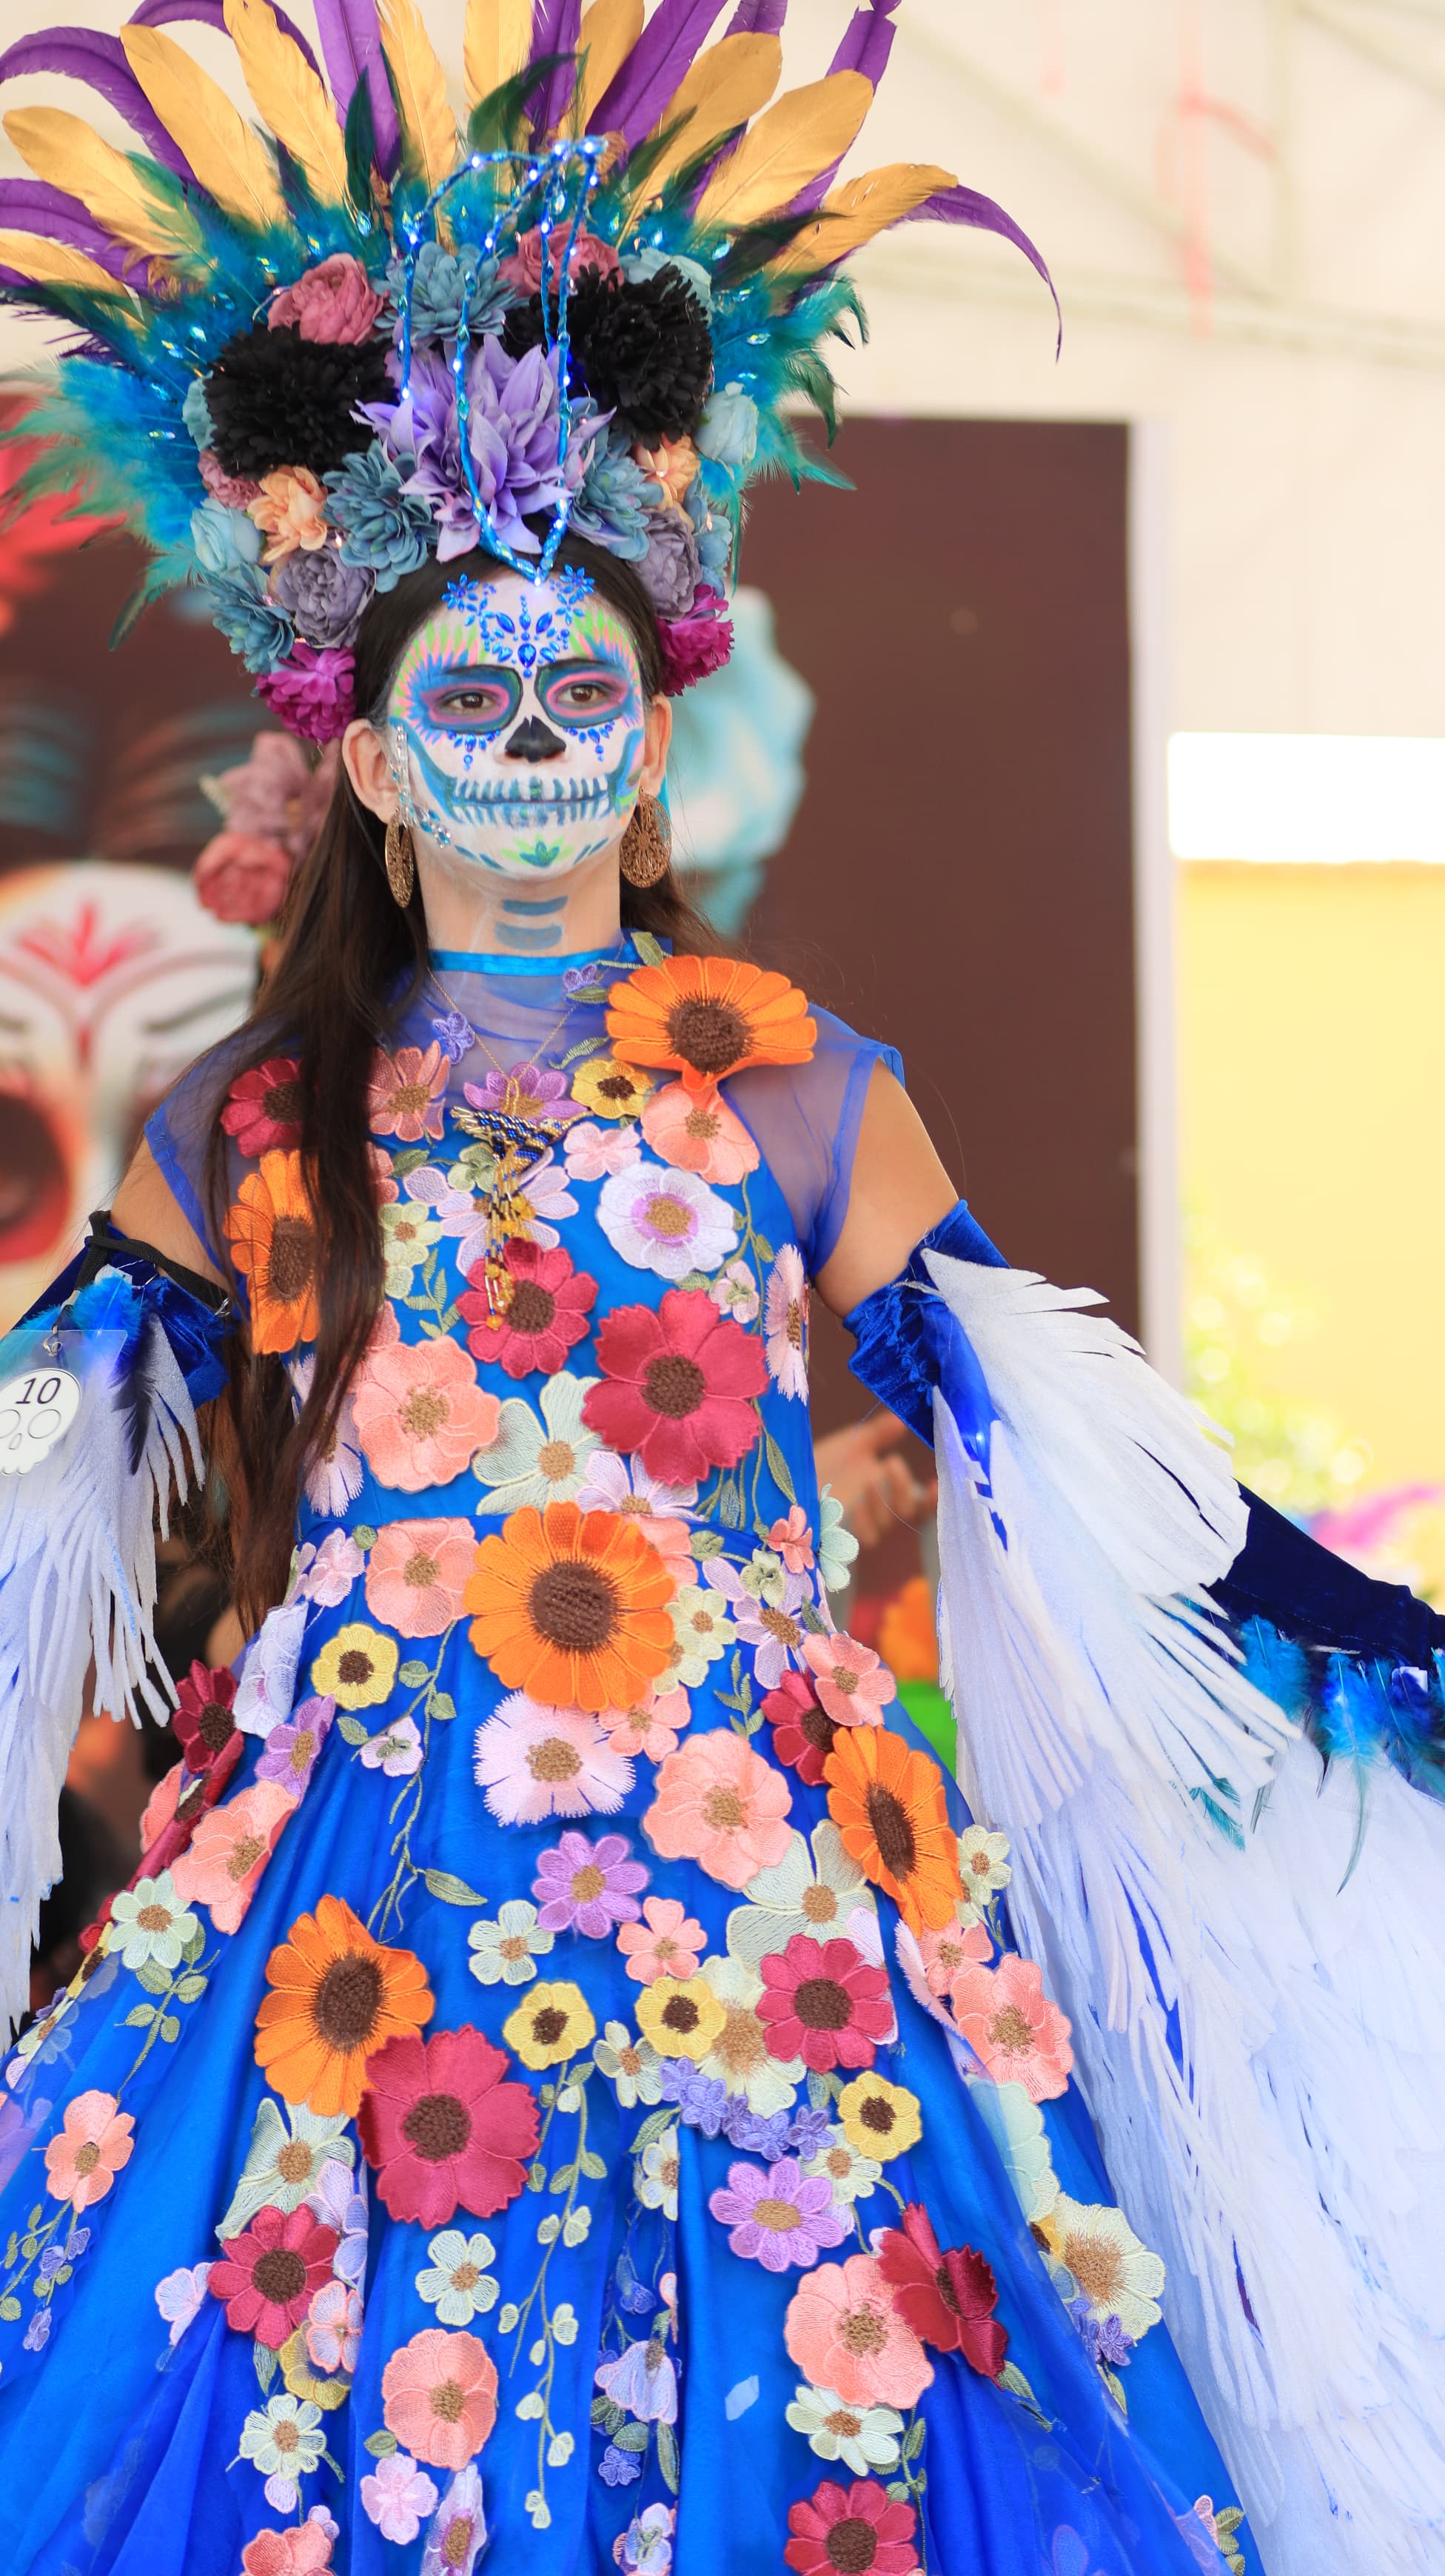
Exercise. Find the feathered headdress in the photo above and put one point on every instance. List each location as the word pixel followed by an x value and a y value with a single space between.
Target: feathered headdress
pixel 312 355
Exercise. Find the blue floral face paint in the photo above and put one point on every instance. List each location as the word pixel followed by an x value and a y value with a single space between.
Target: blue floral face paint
pixel 516 725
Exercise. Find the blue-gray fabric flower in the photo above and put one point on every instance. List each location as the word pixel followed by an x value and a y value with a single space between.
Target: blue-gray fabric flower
pixel 322 594
pixel 387 530
pixel 615 498
pixel 225 540
pixel 670 567
pixel 639 265
pixel 251 623
pixel 728 429
pixel 436 292
pixel 714 535
pixel 195 412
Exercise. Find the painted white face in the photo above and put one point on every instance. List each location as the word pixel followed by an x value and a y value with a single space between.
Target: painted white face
pixel 516 725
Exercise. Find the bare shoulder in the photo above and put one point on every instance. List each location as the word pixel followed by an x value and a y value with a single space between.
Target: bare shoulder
pixel 899 1189
pixel 146 1207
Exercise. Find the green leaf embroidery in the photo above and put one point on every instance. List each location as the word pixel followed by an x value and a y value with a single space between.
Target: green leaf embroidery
pixel 380 2445
pixel 778 1468
pixel 170 2027
pixel 441 1706
pixel 695 1279
pixel 536 2178
pixel 705 1543
pixel 351 1730
pixel 140 2017
pixel 730 1507
pixel 191 1989
pixel 762 1247
pixel 667 2459
pixel 265 2361
pixel 584 1046
pixel 155 1980
pixel 913 2439
pixel 194 1946
pixel 413 1673
pixel 647 948
pixel 451 1891
pixel 9 2311
pixel 594 2167
pixel 631 2437
pixel 364 1537
pixel 606 2413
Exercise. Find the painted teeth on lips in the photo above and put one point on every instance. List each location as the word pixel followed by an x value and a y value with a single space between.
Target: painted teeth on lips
pixel 512 799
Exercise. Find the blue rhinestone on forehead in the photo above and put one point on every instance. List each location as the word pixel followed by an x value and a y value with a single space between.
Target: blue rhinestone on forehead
pixel 522 639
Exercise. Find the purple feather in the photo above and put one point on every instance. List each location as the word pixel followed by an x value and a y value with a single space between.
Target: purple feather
pixel 351 42
pixel 556 25
pixel 757 18
pixel 33 206
pixel 211 13
pixel 966 206
pixel 77 53
pixel 866 44
pixel 661 58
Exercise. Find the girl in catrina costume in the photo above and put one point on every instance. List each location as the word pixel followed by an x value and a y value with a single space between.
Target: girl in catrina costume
pixel 572 2085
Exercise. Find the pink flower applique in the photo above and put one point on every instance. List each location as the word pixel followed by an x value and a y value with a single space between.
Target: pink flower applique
pixel 1011 2025
pixel 854 1685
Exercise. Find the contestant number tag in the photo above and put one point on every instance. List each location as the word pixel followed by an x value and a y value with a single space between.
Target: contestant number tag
pixel 36 1410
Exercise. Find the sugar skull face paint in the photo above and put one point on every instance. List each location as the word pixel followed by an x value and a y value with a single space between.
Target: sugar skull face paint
pixel 516 725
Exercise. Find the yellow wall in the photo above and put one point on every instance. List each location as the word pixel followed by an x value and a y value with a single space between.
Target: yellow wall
pixel 1312 1065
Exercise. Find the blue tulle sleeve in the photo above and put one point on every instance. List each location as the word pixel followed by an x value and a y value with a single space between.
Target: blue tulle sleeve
pixel 805 1119
pixel 179 1133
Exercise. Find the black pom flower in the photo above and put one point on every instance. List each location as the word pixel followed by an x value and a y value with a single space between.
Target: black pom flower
pixel 643 351
pixel 276 399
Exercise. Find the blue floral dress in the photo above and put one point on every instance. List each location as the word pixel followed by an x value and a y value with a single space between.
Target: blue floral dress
pixel 561 2089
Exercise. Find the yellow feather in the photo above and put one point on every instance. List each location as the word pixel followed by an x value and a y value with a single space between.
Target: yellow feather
pixel 497 42
pixel 227 156
pixel 71 155
pixel 55 264
pixel 808 129
pixel 290 97
pixel 856 211
pixel 610 29
pixel 427 122
pixel 726 85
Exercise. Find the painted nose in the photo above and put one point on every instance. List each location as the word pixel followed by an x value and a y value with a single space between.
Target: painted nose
pixel 533 741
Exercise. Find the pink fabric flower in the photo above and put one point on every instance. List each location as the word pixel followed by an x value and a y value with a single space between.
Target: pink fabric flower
pixel 779 2218
pixel 693 646
pixel 697 1132
pixel 290 1753
pixel 720 1804
pixel 333 2327
pixel 1011 2025
pixel 233 491
pixel 653 1725
pixel 534 1762
pixel 523 271
pixel 416 1573
pixel 331 1570
pixel 278 792
pixel 303 2551
pixel 594 1153
pixel 824 2002
pixel 406 1097
pixel 853 1684
pixel 241 877
pixel 420 1415
pixel 793 1541
pixel 588 1887
pixel 439 2396
pixel 94 2141
pixel 313 693
pixel 229 1851
pixel 668 1942
pixel 335 301
pixel 397 2497
pixel 844 2333
pixel 944 1955
pixel 785 1322
pixel 397 1752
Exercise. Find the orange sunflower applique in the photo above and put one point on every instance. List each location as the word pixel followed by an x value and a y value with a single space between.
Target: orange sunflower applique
pixel 272 1234
pixel 707 1017
pixel 889 1805
pixel 572 1607
pixel 336 1997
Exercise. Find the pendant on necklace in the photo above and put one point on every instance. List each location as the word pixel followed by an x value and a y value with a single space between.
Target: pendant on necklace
pixel 519 1145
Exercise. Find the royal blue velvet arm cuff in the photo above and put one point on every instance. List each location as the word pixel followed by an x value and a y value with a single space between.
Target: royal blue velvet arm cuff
pixel 116 1281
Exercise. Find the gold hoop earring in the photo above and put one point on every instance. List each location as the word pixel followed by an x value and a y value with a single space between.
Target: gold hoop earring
pixel 400 861
pixel 646 852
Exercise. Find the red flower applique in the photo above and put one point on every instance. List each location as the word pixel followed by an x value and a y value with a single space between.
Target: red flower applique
pixel 853 2528
pixel 442 2129
pixel 548 1312
pixel 824 2002
pixel 268 2276
pixel 947 2299
pixel 677 1386
pixel 263 1107
pixel 203 1721
pixel 802 1731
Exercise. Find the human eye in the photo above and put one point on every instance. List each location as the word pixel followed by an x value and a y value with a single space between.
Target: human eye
pixel 586 694
pixel 471 702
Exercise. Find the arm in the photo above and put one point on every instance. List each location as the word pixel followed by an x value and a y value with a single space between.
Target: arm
pixel 147 1210
pixel 899 1191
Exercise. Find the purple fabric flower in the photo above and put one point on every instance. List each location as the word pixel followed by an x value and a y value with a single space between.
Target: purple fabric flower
pixel 746 2129
pixel 37 2333
pixel 291 1750
pixel 701 2099
pixel 514 432
pixel 773 1630
pixel 642 2381
pixel 50 2262
pixel 693 646
pixel 541 1084
pixel 322 594
pixel 778 2218
pixel 670 567
pixel 588 1887
pixel 1104 2337
pixel 313 694
pixel 807 2133
pixel 457 1036
pixel 618 2468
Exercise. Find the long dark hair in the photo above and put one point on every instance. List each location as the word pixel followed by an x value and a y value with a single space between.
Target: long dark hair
pixel 351 962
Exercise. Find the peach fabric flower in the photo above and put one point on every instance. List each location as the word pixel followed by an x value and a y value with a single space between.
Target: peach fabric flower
pixel 334 301
pixel 673 463
pixel 290 509
pixel 229 1851
pixel 303 2551
pixel 82 2163
pixel 696 1131
pixel 416 1572
pixel 160 1806
pixel 406 1095
pixel 853 1685
pixel 1009 2021
pixel 666 1943
pixel 722 1805
pixel 652 1725
pixel 420 1414
pixel 843 2332
pixel 242 876
pixel 946 1954
pixel 793 1540
pixel 439 2397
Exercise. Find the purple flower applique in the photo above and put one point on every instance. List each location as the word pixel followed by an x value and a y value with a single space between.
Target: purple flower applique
pixel 588 1887
pixel 807 2132
pixel 37 2333
pixel 291 1750
pixel 456 1034
pixel 747 2129
pixel 1104 2338
pixel 525 1091
pixel 701 2099
pixel 642 2381
pixel 779 2218
pixel 619 2468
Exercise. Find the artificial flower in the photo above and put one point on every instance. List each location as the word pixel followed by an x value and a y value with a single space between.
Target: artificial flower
pixel 336 1997
pixel 420 1414
pixel 642 2381
pixel 728 429
pixel 880 2119
pixel 416 1572
pixel 571 1606
pixel 534 1762
pixel 651 1725
pixel 552 2023
pixel 645 2547
pixel 588 1887
pixel 734 1292
pixel 943 1955
pixel 513 429
pixel 324 596
pixel 680 2015
pixel 272 1234
pixel 844 2333
pixel 333 301
pixel 202 1718
pixel 263 1107
pixel 537 257
pixel 547 1303
pixel 181 2296
pixel 623 1485
pixel 538 1461
pixel 406 1097
pixel 803 1731
pixel 890 1807
pixel 312 692
pixel 785 1323
pixel 593 1153
pixel 692 647
pixel 706 1017
pixel 702 1634
pixel 851 2176
pixel 93 2142
pixel 823 2002
pixel 291 1751
pixel 284 2160
pixel 459 2282
pixel 285 2439
pixel 267 2275
pixel 631 2066
pixel 528 1091
pixel 444 2128
pixel 385 528
pixel 1115 2274
pixel 855 2527
pixel 679 1386
pixel 853 1685
pixel 657 2171
pixel 289 509
pixel 740 2057
pixel 459 2532
pixel 666 1943
pixel 695 1131
pixel 862 2437
pixel 408 1234
pixel 947 2298
pixel 767 1622
pixel 670 1223
pixel 229 1850
pixel 611 1090
pixel 793 1540
pixel 356 1667
pixel 329 1573
pixel 1010 2024
pixel 672 464
pixel 398 2497
pixel 149 1923
pixel 983 1863
pixel 505 1951
pixel 837 1547
pixel 439 2397
pixel 397 1751
pixel 720 1804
